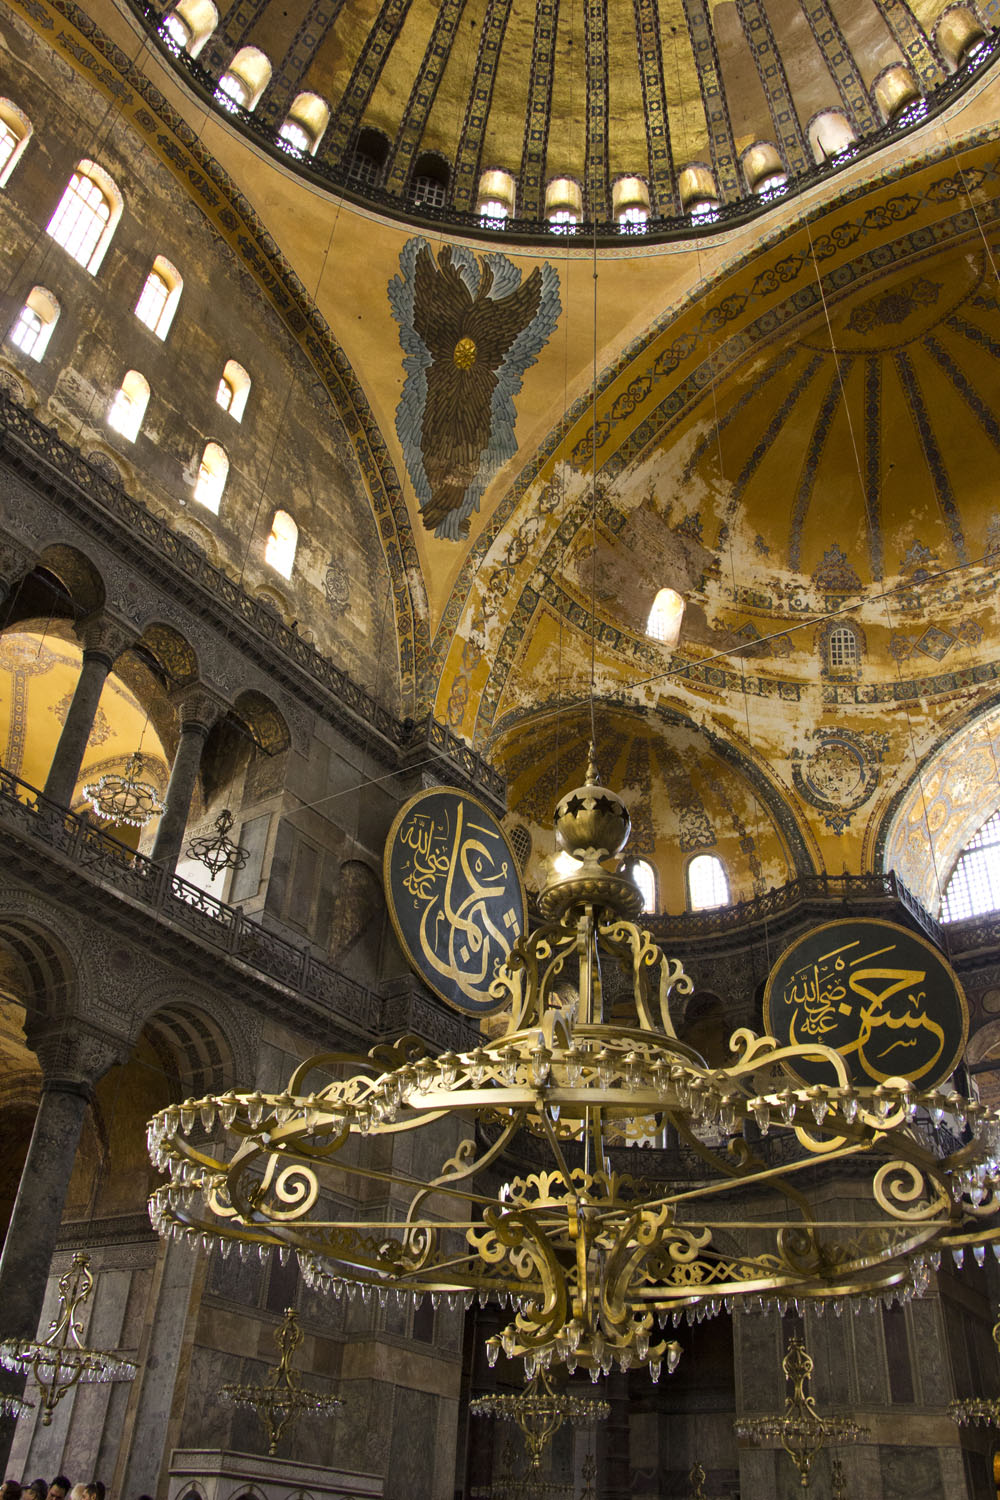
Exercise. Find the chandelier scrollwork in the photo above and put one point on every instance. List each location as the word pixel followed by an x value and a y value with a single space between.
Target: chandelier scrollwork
pixel 123 796
pixel 596 1264
pixel 63 1360
pixel 218 852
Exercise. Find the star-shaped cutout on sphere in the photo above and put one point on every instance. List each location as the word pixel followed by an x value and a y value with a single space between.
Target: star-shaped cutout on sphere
pixel 575 804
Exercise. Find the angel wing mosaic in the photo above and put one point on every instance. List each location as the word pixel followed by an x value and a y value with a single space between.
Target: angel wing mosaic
pixel 470 326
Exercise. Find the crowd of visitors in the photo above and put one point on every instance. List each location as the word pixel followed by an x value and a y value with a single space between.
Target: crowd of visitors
pixel 59 1489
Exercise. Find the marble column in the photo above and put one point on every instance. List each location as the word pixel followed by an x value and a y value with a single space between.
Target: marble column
pixel 103 642
pixel 73 1059
pixel 198 713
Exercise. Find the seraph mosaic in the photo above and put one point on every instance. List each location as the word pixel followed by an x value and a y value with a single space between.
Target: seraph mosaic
pixel 470 327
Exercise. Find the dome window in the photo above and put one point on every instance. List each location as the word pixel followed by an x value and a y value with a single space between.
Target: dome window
pixel 896 94
pixel 563 205
pixel 234 388
pixel 159 297
pixel 279 553
pixel 840 648
pixel 831 135
pixel 973 888
pixel 213 471
pixel 368 159
pixel 85 219
pixel 189 25
pixel 495 203
pixel 708 887
pixel 15 132
pixel 246 78
pixel 764 170
pixel 303 128
pixel 642 874
pixel 429 187
pixel 129 406
pixel 630 203
pixel 35 322
pixel 698 192
pixel 959 35
pixel 664 623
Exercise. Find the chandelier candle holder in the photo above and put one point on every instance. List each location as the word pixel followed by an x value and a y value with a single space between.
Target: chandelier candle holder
pixel 697 1479
pixel 63 1360
pixel 219 852
pixel 601 1252
pixel 539 1411
pixel 282 1401
pixel 123 797
pixel 975 1409
pixel 800 1429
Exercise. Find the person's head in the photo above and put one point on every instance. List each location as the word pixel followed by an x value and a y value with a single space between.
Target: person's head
pixel 79 1492
pixel 38 1488
pixel 96 1490
pixel 10 1490
pixel 59 1488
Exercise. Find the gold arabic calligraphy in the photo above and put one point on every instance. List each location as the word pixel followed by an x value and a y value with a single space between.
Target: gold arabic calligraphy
pixel 458 875
pixel 877 1011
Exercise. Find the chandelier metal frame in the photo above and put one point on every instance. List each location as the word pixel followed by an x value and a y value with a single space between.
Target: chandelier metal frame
pixel 62 1360
pixel 800 1429
pixel 282 1400
pixel 219 852
pixel 594 1263
pixel 975 1409
pixel 539 1411
pixel 122 797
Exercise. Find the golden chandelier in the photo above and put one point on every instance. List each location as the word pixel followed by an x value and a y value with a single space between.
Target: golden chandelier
pixel 595 1263
pixel 539 1411
pixel 800 1429
pixel 123 797
pixel 282 1400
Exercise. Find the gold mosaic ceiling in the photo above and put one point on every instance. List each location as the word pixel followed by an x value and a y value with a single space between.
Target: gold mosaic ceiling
pixel 593 91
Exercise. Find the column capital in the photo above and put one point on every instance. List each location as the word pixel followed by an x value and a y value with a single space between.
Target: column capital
pixel 198 709
pixel 15 561
pixel 104 636
pixel 73 1055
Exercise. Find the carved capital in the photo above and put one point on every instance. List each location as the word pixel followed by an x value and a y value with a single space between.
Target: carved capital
pixel 198 709
pixel 73 1055
pixel 104 636
pixel 15 561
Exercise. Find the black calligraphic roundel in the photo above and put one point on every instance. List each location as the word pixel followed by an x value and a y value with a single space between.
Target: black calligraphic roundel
pixel 878 994
pixel 454 890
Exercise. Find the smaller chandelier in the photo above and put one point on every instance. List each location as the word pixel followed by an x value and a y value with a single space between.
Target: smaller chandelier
pixel 801 1430
pixel 978 1408
pixel 540 1410
pixel 123 797
pixel 219 853
pixel 62 1360
pixel 281 1401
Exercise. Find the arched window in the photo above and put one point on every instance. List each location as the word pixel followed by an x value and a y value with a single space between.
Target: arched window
pixel 212 474
pixel 974 884
pixel 896 92
pixel 641 872
pixel 630 202
pixel 698 192
pixel 234 388
pixel 35 322
pixel 429 187
pixel 563 205
pixel 15 132
pixel 159 297
pixel 368 158
pixel 246 78
pixel 189 25
pixel 959 35
pixel 664 623
pixel 495 203
pixel 842 648
pixel 129 405
pixel 305 123
pixel 764 170
pixel 87 214
pixel 281 544
pixel 831 134
pixel 707 883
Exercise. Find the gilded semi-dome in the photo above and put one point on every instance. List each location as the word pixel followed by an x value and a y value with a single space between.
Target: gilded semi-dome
pixel 649 116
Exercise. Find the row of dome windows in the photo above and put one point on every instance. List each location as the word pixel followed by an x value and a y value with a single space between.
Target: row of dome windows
pixel 83 224
pixel 707 882
pixel 959 34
